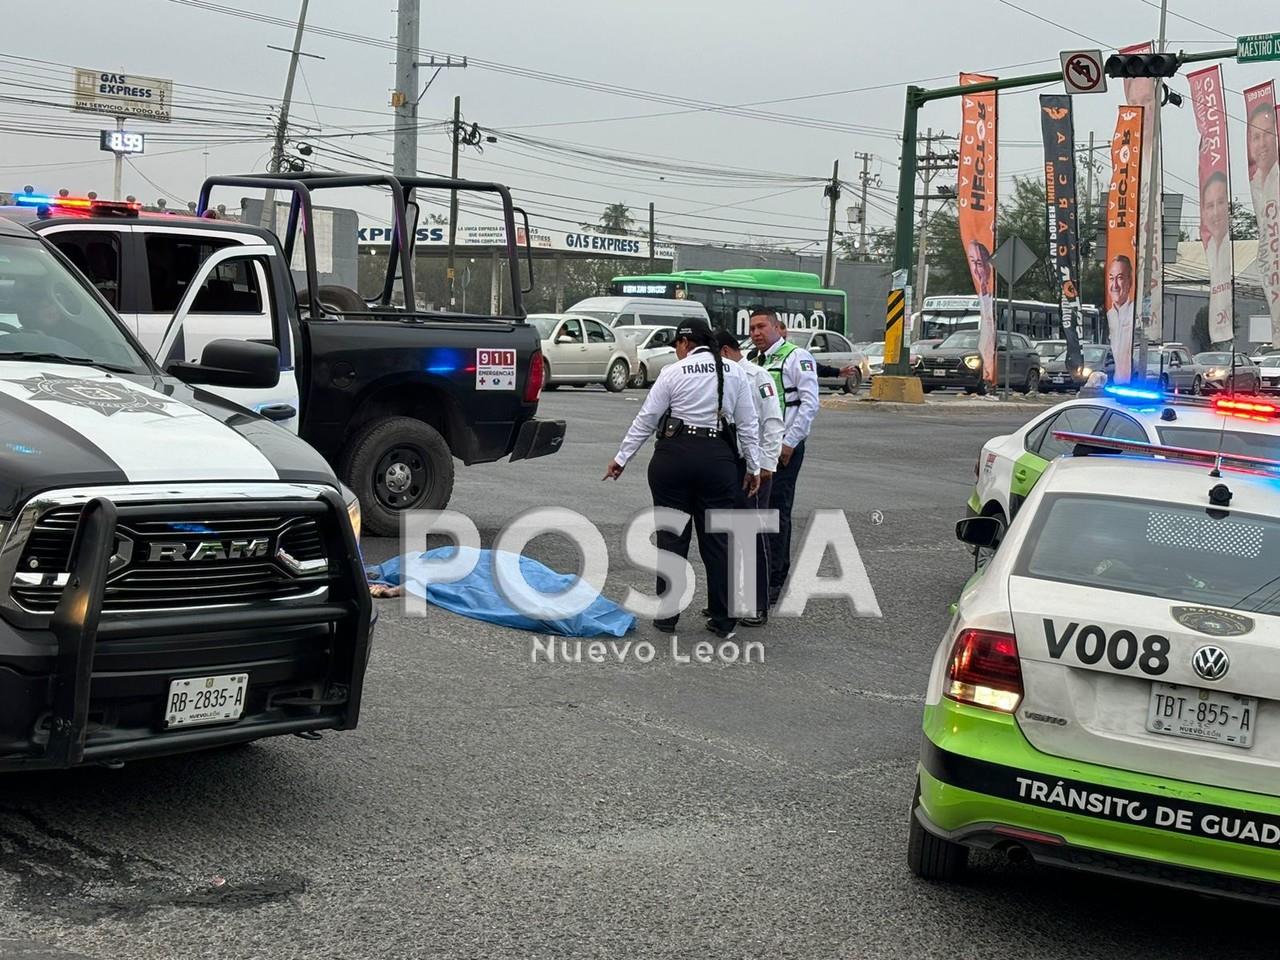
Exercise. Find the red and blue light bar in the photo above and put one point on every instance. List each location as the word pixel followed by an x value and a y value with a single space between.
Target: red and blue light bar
pixel 1251 407
pixel 92 205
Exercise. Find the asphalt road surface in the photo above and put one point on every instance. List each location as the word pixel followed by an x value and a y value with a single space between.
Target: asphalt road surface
pixel 492 807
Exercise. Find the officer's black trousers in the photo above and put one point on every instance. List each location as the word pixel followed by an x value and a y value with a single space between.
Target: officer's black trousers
pixel 781 497
pixel 697 474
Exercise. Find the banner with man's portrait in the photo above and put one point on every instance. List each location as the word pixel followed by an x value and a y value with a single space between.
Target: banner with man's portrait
pixel 976 202
pixel 1141 92
pixel 1264 184
pixel 1124 208
pixel 1215 198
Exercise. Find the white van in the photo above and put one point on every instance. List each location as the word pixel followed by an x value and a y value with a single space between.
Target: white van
pixel 639 311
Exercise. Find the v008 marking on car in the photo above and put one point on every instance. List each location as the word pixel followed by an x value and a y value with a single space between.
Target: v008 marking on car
pixel 1122 648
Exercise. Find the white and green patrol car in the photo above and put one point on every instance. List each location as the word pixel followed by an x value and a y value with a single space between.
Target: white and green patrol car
pixel 1107 695
pixel 1010 465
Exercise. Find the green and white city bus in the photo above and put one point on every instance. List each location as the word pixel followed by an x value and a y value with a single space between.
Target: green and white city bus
pixel 729 296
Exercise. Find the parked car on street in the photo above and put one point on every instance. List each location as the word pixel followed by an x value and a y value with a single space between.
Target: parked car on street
pixel 578 350
pixel 1173 368
pixel 655 349
pixel 1049 349
pixel 1225 371
pixel 834 350
pixel 1269 369
pixel 1096 357
pixel 956 363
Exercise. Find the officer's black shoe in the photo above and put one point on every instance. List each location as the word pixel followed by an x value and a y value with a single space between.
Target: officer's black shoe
pixel 755 621
pixel 706 611
pixel 666 626
pixel 720 630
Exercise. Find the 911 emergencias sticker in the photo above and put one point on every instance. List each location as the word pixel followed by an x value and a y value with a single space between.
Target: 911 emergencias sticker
pixel 495 369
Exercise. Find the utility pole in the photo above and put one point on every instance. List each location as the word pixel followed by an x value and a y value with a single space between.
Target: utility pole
pixel 268 219
pixel 453 194
pixel 118 188
pixel 865 177
pixel 651 236
pixel 832 192
pixel 930 164
pixel 404 101
pixel 1088 184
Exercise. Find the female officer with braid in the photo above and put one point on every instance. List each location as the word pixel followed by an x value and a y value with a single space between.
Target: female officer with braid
pixel 694 465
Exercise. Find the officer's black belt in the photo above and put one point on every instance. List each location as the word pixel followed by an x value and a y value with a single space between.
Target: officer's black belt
pixel 711 432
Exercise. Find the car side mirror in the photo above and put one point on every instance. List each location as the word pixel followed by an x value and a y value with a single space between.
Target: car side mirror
pixel 979 531
pixel 565 338
pixel 231 363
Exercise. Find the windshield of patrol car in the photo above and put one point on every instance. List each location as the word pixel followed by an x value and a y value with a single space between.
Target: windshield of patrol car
pixel 1183 553
pixel 47 314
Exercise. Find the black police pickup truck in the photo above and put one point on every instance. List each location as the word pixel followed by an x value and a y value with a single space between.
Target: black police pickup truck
pixel 176 572
pixel 387 392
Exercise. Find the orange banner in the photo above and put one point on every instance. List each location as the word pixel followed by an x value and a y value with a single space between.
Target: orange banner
pixel 1123 217
pixel 976 201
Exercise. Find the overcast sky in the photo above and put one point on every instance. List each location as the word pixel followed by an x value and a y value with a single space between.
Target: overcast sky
pixel 825 51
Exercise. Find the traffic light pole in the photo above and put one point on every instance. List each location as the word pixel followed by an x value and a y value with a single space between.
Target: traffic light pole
pixel 917 97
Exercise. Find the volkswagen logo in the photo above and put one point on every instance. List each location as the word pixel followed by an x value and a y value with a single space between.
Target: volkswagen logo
pixel 1211 663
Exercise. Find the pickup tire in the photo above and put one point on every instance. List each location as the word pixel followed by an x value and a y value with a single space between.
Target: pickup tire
pixel 394 465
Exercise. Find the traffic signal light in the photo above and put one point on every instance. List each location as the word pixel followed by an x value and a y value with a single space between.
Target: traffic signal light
pixel 1142 65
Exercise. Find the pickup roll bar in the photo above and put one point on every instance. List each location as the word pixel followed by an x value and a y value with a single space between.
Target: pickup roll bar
pixel 407 187
pixel 301 202
pixel 302 184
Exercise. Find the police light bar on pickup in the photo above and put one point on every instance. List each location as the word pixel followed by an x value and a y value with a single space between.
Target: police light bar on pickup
pixel 89 205
pixel 1236 461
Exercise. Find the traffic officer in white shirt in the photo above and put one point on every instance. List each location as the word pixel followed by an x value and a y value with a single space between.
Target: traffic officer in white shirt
pixel 694 467
pixel 769 413
pixel 795 380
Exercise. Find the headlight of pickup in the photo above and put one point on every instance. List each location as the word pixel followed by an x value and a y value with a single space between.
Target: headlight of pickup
pixel 353 507
pixel 973 363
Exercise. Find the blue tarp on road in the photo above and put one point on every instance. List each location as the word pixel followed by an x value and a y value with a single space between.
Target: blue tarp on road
pixel 477 595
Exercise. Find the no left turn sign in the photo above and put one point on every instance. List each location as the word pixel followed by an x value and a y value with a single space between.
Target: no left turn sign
pixel 1082 71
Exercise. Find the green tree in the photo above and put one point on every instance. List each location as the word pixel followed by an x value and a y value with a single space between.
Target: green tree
pixel 1200 330
pixel 880 245
pixel 616 219
pixel 1244 225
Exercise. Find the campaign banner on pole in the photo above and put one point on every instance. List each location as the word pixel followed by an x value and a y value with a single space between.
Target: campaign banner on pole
pixel 1215 198
pixel 1124 207
pixel 976 202
pixel 1142 92
pixel 1264 184
pixel 1058 128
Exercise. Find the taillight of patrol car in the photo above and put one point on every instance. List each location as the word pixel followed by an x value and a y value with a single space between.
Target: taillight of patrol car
pixel 533 383
pixel 984 670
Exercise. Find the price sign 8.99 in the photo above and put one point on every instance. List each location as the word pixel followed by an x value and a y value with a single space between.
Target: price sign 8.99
pixel 123 141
